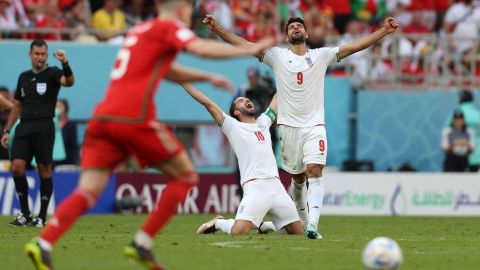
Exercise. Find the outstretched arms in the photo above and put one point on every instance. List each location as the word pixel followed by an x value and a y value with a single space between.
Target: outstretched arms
pixel 180 74
pixel 211 106
pixel 214 49
pixel 389 27
pixel 230 37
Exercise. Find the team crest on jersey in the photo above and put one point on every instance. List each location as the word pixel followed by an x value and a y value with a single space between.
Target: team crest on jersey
pixel 41 88
pixel 309 61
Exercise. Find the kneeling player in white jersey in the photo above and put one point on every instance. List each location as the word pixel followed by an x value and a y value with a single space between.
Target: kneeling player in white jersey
pixel 299 77
pixel 262 189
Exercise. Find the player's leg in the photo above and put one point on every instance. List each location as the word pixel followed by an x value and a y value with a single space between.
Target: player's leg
pixel 315 150
pixel 291 145
pixel 21 152
pixel 100 156
pixel 42 145
pixel 283 211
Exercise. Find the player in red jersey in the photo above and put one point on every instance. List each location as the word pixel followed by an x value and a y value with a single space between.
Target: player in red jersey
pixel 124 124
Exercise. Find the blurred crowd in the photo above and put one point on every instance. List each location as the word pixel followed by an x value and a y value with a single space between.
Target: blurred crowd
pixel 436 36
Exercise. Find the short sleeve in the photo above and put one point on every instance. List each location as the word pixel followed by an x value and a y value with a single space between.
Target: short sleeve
pixel 228 125
pixel 267 118
pixel 330 55
pixel 180 36
pixel 270 56
pixel 444 143
pixel 450 16
pixel 18 91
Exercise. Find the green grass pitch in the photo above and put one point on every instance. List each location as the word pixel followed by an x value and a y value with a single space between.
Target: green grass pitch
pixel 96 243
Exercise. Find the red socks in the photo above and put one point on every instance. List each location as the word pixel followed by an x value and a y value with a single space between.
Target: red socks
pixel 66 214
pixel 166 207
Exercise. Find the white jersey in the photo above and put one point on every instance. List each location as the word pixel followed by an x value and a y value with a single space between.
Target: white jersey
pixel 253 146
pixel 299 81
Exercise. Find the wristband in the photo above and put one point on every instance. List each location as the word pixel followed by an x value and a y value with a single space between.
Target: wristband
pixel 67 71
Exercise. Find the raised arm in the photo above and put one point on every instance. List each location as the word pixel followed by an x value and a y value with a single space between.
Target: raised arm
pixel 67 79
pixel 273 104
pixel 211 106
pixel 180 74
pixel 214 49
pixel 361 44
pixel 229 37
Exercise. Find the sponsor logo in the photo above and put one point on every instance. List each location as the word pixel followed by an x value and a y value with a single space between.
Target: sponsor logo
pixel 350 198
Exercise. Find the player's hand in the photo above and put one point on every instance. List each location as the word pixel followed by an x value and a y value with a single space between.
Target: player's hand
pixel 61 56
pixel 222 82
pixel 5 139
pixel 390 25
pixel 262 44
pixel 210 22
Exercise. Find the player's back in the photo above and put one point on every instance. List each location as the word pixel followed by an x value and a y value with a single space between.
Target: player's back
pixel 145 57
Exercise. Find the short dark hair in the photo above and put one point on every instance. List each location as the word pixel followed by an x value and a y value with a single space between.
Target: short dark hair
pixel 292 20
pixel 233 107
pixel 65 103
pixel 38 43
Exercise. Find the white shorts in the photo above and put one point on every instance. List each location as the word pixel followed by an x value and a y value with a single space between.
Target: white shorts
pixel 262 196
pixel 301 146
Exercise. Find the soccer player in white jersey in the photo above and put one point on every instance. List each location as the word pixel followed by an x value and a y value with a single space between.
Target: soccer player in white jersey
pixel 262 189
pixel 299 76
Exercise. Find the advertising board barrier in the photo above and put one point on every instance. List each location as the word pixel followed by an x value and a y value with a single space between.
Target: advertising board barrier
pixel 374 194
pixel 63 185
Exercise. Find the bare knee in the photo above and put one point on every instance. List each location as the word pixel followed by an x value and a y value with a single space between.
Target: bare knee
pixel 241 227
pixel 314 170
pixel 18 168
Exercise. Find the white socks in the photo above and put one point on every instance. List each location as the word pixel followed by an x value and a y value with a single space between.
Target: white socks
pixel 315 200
pixel 225 225
pixel 299 197
pixel 45 245
pixel 267 227
pixel 143 240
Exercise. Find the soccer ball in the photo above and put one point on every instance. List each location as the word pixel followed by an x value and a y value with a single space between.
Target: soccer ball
pixel 382 253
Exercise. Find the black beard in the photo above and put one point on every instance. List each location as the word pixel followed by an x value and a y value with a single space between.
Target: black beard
pixel 245 112
pixel 297 40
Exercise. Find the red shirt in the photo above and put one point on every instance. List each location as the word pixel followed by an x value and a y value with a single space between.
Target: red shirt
pixel 145 57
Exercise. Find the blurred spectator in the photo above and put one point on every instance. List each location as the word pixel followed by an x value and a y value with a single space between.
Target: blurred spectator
pixel 399 9
pixel 49 16
pixel 221 10
pixel 244 14
pixel 69 134
pixel 76 14
pixel 457 142
pixel 12 16
pixel 427 8
pixel 318 22
pixel 371 11
pixel 135 12
pixel 259 90
pixel 109 18
pixel 421 46
pixel 33 7
pixel 462 21
pixel 343 13
pixel 441 7
pixel 472 120
pixel 264 25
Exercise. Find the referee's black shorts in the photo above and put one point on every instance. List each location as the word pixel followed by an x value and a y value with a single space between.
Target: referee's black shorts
pixel 34 138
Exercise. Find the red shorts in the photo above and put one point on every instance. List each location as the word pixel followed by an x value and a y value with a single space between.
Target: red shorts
pixel 107 144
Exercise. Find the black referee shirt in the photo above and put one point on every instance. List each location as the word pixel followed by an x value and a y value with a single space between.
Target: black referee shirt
pixel 38 92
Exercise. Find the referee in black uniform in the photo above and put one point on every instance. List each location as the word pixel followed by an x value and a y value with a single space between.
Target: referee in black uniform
pixel 35 100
